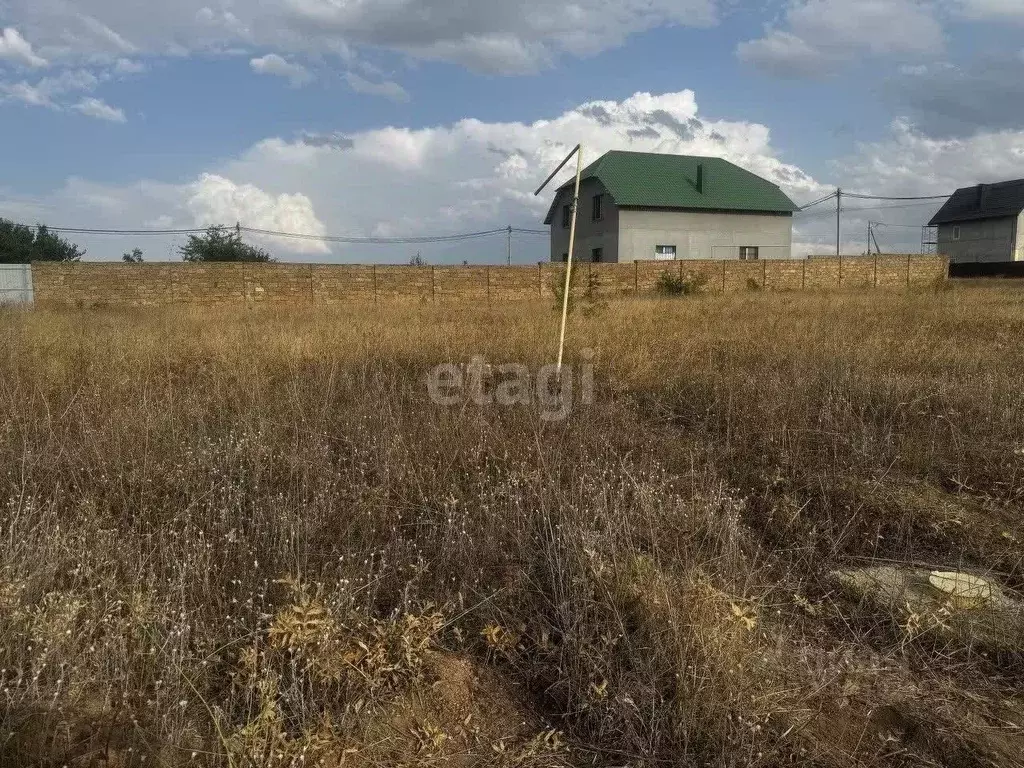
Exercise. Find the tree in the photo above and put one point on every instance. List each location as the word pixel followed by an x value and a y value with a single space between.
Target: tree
pixel 418 260
pixel 133 257
pixel 20 244
pixel 221 244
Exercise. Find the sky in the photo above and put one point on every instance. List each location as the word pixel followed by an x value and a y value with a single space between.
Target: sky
pixel 408 118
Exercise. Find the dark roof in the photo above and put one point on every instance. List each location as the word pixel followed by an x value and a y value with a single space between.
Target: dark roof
pixel 648 180
pixel 984 201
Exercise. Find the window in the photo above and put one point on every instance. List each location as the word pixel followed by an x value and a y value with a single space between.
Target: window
pixel 566 215
pixel 664 253
pixel 956 233
pixel 565 257
pixel 598 213
pixel 749 253
pixel 596 255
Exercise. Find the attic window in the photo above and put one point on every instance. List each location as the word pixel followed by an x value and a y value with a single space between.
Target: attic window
pixel 566 215
pixel 598 212
pixel 956 232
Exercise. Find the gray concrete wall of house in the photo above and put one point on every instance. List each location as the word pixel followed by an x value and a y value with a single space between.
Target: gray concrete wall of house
pixel 703 235
pixel 985 240
pixel 591 233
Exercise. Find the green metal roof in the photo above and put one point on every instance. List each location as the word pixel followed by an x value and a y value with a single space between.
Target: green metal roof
pixel 647 180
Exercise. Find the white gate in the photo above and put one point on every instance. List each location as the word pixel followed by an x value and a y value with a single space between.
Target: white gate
pixel 15 284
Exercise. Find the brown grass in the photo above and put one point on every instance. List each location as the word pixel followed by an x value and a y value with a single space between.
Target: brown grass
pixel 249 539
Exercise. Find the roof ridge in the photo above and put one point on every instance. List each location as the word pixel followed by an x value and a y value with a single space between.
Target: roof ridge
pixel 667 180
pixel 662 154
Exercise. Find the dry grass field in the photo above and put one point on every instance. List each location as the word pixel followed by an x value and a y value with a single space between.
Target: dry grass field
pixel 249 538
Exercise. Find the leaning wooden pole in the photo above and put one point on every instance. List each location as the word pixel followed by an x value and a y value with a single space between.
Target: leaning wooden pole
pixel 578 151
pixel 568 264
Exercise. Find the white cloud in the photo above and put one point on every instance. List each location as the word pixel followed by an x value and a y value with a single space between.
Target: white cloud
pixel 474 175
pixel 385 88
pixel 26 94
pixel 822 35
pixel 272 64
pixel 785 54
pixel 907 163
pixel 395 181
pixel 985 94
pixel 214 200
pixel 991 10
pixel 125 66
pixel 489 35
pixel 16 48
pixel 43 92
pixel 911 163
pixel 101 36
pixel 93 107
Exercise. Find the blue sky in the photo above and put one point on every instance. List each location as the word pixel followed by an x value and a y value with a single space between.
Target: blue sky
pixel 422 117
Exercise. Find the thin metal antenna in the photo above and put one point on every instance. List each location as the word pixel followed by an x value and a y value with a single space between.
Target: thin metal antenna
pixel 578 151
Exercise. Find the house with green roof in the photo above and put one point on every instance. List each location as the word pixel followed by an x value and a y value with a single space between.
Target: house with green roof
pixel 637 206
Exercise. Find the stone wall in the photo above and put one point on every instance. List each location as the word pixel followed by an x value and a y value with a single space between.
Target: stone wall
pixel 95 284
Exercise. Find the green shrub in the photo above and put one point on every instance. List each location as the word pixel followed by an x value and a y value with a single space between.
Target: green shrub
pixel 676 285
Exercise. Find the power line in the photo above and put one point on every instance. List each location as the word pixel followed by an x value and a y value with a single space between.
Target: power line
pixel 831 212
pixel 425 239
pixel 375 240
pixel 861 196
pixel 818 202
pixel 888 207
pixel 134 232
pixel 452 238
pixel 883 197
pixel 904 226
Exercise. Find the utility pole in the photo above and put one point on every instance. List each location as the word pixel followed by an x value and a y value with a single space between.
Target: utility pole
pixel 839 222
pixel 873 238
pixel 510 245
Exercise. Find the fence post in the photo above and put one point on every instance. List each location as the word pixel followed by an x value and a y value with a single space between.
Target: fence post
pixel 840 271
pixel 764 274
pixel 803 275
pixel 636 277
pixel 876 269
pixel 312 297
pixel 374 268
pixel 433 290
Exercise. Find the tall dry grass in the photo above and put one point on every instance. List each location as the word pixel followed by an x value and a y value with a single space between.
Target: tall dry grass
pixel 249 538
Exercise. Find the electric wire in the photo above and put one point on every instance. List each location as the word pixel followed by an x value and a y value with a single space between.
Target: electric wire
pixel 451 238
pixel 424 239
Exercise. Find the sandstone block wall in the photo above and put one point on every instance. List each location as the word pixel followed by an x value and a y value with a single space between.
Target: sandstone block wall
pixel 95 284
